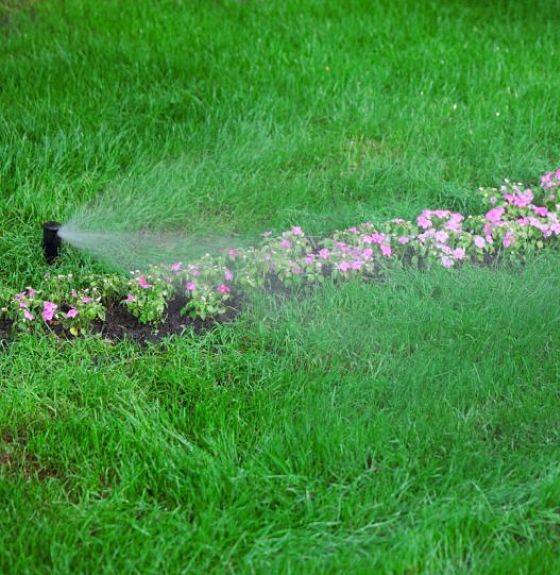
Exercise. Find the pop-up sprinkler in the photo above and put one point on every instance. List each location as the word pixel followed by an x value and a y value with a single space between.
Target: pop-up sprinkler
pixel 51 241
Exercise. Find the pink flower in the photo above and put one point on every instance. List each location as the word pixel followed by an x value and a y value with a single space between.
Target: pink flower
pixel 176 266
pixel 86 300
pixel 479 242
pixel 233 253
pixel 386 250
pixel 367 253
pixel 194 271
pixel 28 315
pixel 309 259
pixel 424 222
pixel 143 282
pixel 129 298
pixel 454 222
pixel 459 253
pixel 447 262
pixel 285 244
pixel 403 240
pixel 72 312
pixel 343 266
pixel 324 254
pixel 509 238
pixel 49 309
pixel 441 237
pixel 494 216
pixel 228 275
pixel 31 293
pixel 520 199
pixel 297 231
pixel 546 180
pixel 223 289
pixel 540 211
pixel 357 265
pixel 190 286
pixel 376 238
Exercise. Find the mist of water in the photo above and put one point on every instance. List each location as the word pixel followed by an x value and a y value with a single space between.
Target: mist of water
pixel 137 250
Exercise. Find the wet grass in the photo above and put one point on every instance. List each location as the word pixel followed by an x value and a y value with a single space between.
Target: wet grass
pixel 409 427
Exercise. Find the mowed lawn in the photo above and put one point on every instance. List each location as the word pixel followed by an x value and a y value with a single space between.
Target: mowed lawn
pixel 405 427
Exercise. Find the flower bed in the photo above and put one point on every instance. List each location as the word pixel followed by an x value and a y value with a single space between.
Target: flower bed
pixel 165 299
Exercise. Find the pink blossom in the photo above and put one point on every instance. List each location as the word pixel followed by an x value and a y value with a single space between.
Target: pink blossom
pixel 296 270
pixel 540 211
pixel 129 298
pixel 386 249
pixel 194 271
pixel 285 244
pixel 367 253
pixel 228 275
pixel 509 238
pixel 343 266
pixel 494 216
pixel 353 230
pixel 447 262
pixel 424 222
pixel 357 265
pixel 143 282
pixel 176 266
pixel 309 259
pixel 31 293
pixel 520 199
pixel 28 315
pixel 479 242
pixel 459 253
pixel 72 312
pixel 86 300
pixel 403 240
pixel 223 289
pixel 297 231
pixel 441 236
pixel 233 253
pixel 454 222
pixel 49 308
pixel 546 180
pixel 324 254
pixel 190 286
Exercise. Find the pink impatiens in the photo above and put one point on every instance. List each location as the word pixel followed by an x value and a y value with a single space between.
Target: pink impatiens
pixel 49 309
pixel 72 313
pixel 516 221
pixel 143 282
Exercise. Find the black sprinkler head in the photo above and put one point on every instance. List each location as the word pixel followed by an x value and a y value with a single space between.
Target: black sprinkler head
pixel 51 241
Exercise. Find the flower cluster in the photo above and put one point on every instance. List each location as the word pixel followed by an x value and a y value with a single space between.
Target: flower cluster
pixel 517 220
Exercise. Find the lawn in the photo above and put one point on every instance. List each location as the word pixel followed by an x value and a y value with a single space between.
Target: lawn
pixel 409 426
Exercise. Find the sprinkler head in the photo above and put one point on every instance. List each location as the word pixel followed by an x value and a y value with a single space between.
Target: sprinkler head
pixel 51 241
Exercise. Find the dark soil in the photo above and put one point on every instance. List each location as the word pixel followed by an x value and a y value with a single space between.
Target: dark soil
pixel 5 330
pixel 120 324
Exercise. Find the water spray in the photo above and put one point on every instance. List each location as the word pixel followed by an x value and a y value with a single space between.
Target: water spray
pixel 51 241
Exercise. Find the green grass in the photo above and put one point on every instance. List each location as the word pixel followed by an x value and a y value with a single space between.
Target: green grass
pixel 408 427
